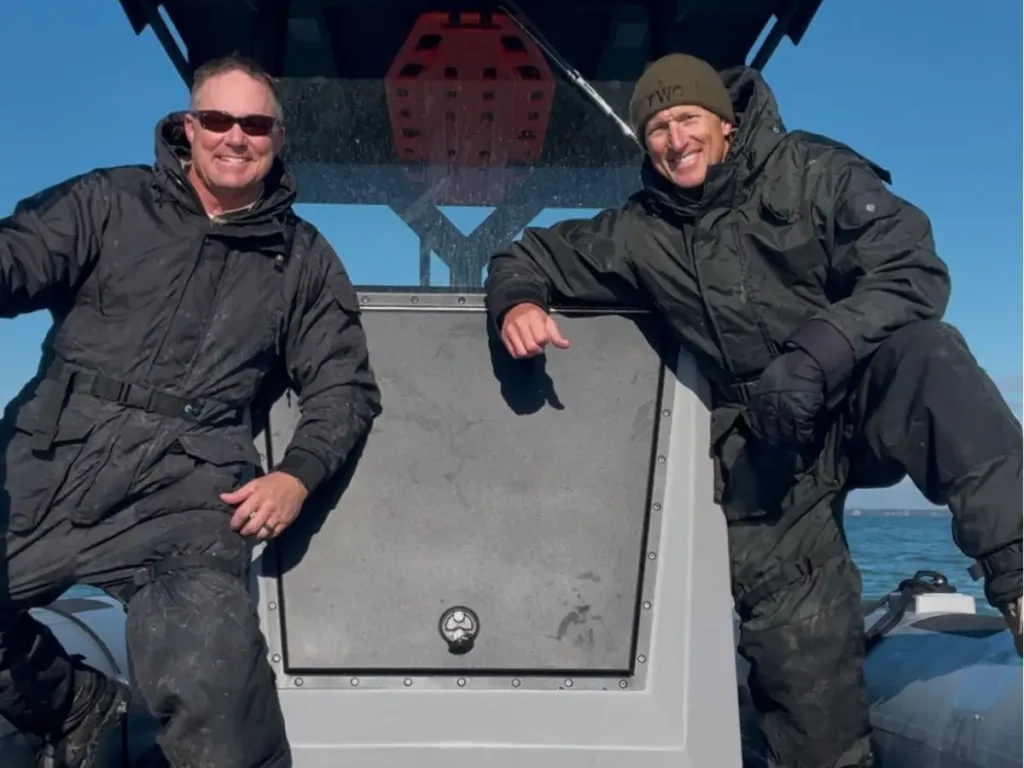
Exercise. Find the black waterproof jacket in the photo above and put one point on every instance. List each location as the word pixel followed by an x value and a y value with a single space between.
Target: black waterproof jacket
pixel 168 326
pixel 793 240
pixel 794 235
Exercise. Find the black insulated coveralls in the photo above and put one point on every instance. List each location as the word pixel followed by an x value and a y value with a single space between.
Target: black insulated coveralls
pixel 795 241
pixel 167 326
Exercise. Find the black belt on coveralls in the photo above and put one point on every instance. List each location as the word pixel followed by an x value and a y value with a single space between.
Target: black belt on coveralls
pixel 84 381
pixel 783 576
pixel 174 563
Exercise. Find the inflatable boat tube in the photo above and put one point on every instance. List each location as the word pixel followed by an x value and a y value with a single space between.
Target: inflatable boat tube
pixel 944 683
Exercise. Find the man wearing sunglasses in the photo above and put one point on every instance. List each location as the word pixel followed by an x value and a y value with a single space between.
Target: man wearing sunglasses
pixel 185 296
pixel 811 298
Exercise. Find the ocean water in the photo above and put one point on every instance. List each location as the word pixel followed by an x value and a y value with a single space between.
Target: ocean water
pixel 891 545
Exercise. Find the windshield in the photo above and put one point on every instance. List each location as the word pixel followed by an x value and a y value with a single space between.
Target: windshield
pixel 419 169
pixel 381 252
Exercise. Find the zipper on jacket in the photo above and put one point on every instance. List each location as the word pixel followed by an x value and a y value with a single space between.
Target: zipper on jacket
pixel 688 233
pixel 177 307
pixel 205 330
pixel 749 298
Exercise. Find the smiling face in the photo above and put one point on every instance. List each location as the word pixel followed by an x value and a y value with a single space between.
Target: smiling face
pixel 231 158
pixel 684 141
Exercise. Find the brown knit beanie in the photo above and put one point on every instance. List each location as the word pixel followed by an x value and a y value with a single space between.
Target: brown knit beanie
pixel 678 79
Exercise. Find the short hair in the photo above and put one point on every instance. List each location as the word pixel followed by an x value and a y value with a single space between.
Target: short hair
pixel 234 62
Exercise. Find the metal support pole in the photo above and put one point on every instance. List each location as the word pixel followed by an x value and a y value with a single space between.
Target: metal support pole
pixel 424 262
pixel 775 35
pixel 166 39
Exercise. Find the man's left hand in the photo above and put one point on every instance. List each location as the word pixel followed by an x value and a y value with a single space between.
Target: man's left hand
pixel 266 505
pixel 785 405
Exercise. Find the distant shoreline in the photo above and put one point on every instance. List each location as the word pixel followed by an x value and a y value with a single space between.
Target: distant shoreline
pixel 896 512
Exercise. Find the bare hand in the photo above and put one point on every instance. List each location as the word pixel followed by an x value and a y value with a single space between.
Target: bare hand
pixel 266 505
pixel 527 329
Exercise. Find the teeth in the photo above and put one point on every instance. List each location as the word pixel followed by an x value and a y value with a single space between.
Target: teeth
pixel 233 159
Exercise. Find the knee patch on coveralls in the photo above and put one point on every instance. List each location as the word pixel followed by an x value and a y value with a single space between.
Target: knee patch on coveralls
pixel 199 661
pixel 805 644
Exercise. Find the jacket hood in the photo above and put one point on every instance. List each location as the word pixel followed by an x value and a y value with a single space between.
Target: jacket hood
pixel 173 153
pixel 758 132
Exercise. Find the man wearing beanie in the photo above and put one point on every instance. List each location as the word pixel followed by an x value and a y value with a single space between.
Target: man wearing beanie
pixel 812 299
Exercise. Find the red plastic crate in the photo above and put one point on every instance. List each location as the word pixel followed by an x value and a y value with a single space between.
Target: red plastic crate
pixel 470 99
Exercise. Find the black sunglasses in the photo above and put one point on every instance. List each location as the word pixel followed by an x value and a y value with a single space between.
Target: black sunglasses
pixel 221 122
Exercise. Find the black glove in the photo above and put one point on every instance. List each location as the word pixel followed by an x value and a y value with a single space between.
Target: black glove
pixel 785 404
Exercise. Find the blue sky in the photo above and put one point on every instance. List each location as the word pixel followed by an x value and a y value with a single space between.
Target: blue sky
pixel 920 86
